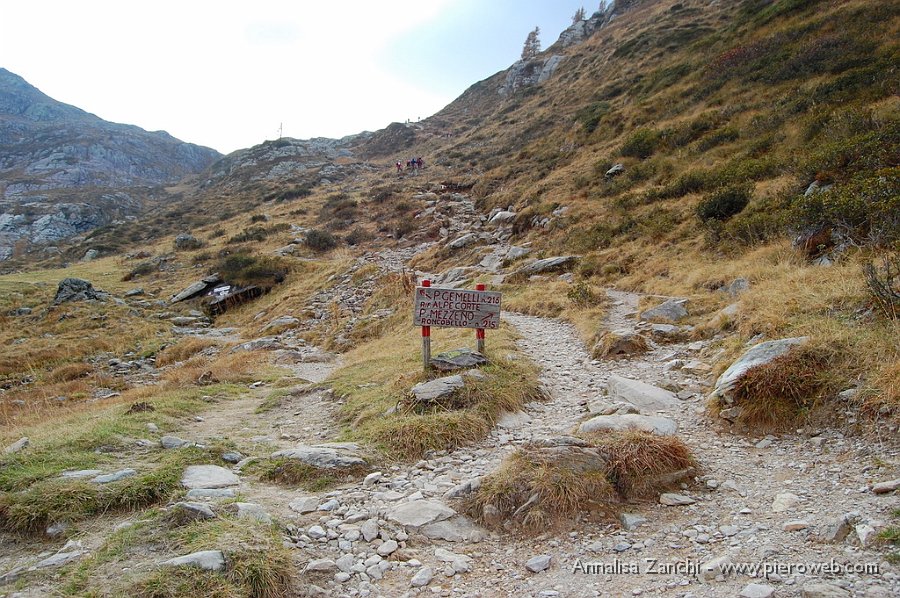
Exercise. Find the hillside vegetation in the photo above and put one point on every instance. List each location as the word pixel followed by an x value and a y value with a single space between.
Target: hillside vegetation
pixel 739 159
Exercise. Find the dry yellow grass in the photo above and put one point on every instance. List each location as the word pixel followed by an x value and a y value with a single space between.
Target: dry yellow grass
pixel 183 350
pixel 245 366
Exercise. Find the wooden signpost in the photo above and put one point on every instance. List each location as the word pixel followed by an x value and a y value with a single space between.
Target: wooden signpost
pixel 454 308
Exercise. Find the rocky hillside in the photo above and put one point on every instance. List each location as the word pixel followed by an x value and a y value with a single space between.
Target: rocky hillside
pixel 64 171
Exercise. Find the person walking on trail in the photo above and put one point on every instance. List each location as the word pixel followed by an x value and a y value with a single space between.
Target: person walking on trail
pixel 399 167
pixel 419 162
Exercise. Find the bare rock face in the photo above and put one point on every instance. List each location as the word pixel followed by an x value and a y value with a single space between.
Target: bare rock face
pixel 50 151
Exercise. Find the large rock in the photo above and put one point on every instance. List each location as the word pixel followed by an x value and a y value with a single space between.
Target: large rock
pixel 435 390
pixel 616 423
pixel 198 288
pixel 550 264
pixel 418 513
pixel 76 289
pixel 640 394
pixel 17 446
pixel 463 241
pixel 503 217
pixel 208 560
pixel 455 529
pixel 324 456
pixel 619 343
pixel 458 359
pixel 669 312
pixel 757 355
pixel 208 476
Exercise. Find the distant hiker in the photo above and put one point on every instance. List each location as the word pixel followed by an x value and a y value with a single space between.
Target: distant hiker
pixel 419 162
pixel 399 167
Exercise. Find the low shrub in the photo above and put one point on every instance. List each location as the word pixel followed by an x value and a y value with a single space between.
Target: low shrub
pixel 724 203
pixel 641 144
pixel 320 240
pixel 246 269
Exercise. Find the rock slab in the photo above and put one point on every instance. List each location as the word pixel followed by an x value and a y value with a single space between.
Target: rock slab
pixel 208 477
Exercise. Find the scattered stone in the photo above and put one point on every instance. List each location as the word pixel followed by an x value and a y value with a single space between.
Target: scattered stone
pixel 784 501
pixel 208 476
pixel 324 456
pixel 631 521
pixel 836 531
pixel 616 170
pixel 757 590
pixel 315 532
pixel 17 446
pixel 114 477
pixel 192 511
pixel 668 312
pixel 866 534
pixel 879 488
pixel 422 577
pixel 321 565
pixel 737 286
pixel 538 563
pixel 173 442
pixel 387 548
pixel 795 526
pixel 648 423
pixel 823 590
pixel 372 479
pixel 644 396
pixel 675 500
pixel 369 530
pixel 56 529
pixel 417 513
pixel 458 359
pixel 714 567
pixel 455 529
pixel 249 510
pixel 81 473
pixel 208 560
pixel 304 504
pixel 463 489
pixel 232 457
pixel 59 559
pixel 435 390
pixel 513 421
pixel 329 505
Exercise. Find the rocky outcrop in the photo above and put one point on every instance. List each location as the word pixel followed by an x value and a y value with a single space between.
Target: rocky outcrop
pixel 757 355
pixel 76 289
pixel 64 172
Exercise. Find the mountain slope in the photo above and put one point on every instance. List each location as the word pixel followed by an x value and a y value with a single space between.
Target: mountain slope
pixel 64 171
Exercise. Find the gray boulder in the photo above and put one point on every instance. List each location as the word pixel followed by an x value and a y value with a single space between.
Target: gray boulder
pixel 550 264
pixel 434 390
pixel 757 355
pixel 191 511
pixel 249 510
pixel 669 312
pixel 503 217
pixel 538 563
pixel 463 241
pixel 616 170
pixel 203 285
pixel 76 289
pixel 417 513
pixel 640 394
pixel 173 442
pixel 208 476
pixel 207 560
pixel 186 241
pixel 114 477
pixel 458 359
pixel 324 456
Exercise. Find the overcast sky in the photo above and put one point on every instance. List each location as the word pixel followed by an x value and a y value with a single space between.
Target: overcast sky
pixel 226 74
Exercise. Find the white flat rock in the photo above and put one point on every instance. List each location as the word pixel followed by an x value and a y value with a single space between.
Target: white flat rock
pixel 208 476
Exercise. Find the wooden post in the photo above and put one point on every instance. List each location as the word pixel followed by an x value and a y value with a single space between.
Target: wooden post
pixel 426 338
pixel 479 332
